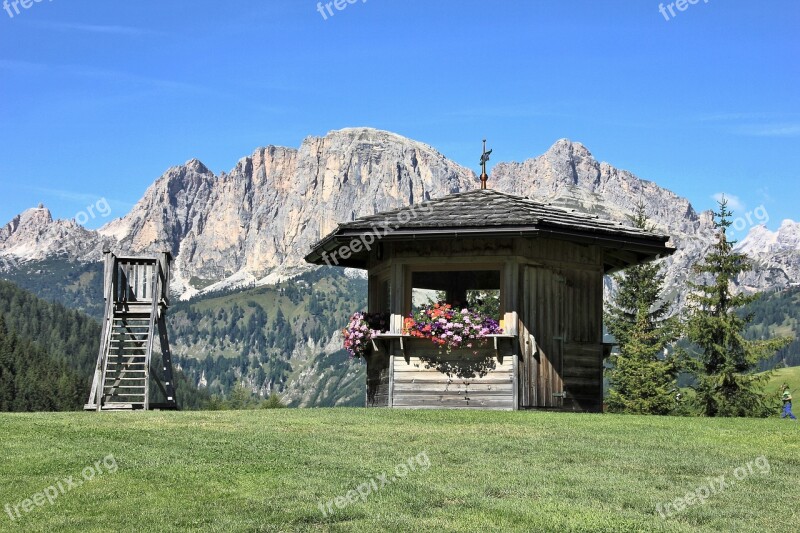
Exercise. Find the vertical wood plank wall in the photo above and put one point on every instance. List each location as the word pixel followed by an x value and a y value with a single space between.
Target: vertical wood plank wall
pixel 561 327
pixel 416 385
pixel 378 381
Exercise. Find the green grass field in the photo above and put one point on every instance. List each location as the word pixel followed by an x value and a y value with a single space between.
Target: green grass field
pixel 790 376
pixel 273 470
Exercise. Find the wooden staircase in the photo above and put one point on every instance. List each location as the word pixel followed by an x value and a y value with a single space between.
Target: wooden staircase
pixel 136 292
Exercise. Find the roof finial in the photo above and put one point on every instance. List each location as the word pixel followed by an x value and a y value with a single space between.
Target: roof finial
pixel 484 159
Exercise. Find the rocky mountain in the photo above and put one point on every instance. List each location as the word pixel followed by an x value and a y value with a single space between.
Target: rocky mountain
pixel 253 225
pixel 33 235
pixel 568 175
pixel 775 254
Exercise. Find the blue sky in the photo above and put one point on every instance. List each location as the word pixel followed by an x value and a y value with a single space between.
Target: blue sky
pixel 98 99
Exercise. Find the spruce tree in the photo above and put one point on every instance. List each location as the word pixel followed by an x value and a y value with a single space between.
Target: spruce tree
pixel 727 384
pixel 642 378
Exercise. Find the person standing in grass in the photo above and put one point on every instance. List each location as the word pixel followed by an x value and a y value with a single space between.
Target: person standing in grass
pixel 787 403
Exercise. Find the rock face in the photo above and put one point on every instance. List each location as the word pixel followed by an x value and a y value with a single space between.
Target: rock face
pixel 256 223
pixel 775 255
pixel 262 217
pixel 568 175
pixel 34 235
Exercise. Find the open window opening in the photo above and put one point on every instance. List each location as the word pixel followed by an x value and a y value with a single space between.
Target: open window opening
pixel 477 290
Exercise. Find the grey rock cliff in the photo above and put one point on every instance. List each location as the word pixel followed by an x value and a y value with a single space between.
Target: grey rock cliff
pixel 255 223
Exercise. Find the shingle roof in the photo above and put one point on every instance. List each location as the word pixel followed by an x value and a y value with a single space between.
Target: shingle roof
pixel 488 208
pixel 489 212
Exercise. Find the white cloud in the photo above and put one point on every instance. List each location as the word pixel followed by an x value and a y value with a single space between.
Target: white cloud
pixel 93 28
pixel 772 130
pixel 734 203
pixel 755 124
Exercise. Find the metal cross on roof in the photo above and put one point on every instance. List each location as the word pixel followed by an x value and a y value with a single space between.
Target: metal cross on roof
pixel 484 159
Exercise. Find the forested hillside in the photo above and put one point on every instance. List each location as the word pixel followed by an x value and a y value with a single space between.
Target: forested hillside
pixel 72 283
pixel 48 354
pixel 274 339
pixel 271 339
pixel 777 314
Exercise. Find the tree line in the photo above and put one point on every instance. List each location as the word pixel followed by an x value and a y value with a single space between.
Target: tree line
pixel 707 345
pixel 48 354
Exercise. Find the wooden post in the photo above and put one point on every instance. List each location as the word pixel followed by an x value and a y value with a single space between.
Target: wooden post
pixel 98 383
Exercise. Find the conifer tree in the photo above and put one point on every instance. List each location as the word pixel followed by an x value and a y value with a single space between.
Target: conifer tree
pixel 642 378
pixel 727 384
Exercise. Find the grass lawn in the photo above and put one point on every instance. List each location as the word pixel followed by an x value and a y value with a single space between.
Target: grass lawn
pixel 274 470
pixel 790 376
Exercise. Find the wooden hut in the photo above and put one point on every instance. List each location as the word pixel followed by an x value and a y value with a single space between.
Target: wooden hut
pixel 542 265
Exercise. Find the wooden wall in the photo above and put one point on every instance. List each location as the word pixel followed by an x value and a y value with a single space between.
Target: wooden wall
pixel 416 385
pixel 583 376
pixel 377 379
pixel 560 326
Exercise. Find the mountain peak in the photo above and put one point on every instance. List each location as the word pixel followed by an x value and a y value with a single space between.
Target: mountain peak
pixel 36 216
pixel 30 220
pixel 374 136
pixel 760 241
pixel 196 165
pixel 365 131
pixel 569 148
pixel 34 235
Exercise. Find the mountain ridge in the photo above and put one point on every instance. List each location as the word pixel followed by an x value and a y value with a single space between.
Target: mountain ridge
pixel 253 224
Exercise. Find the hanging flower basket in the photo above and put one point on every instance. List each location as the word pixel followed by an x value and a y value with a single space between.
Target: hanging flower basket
pixel 361 329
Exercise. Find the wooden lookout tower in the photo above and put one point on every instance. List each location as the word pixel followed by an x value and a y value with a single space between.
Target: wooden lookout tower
pixel 136 293
pixel 542 265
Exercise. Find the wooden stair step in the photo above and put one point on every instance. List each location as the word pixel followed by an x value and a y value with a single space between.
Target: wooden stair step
pixel 126 346
pixel 118 406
